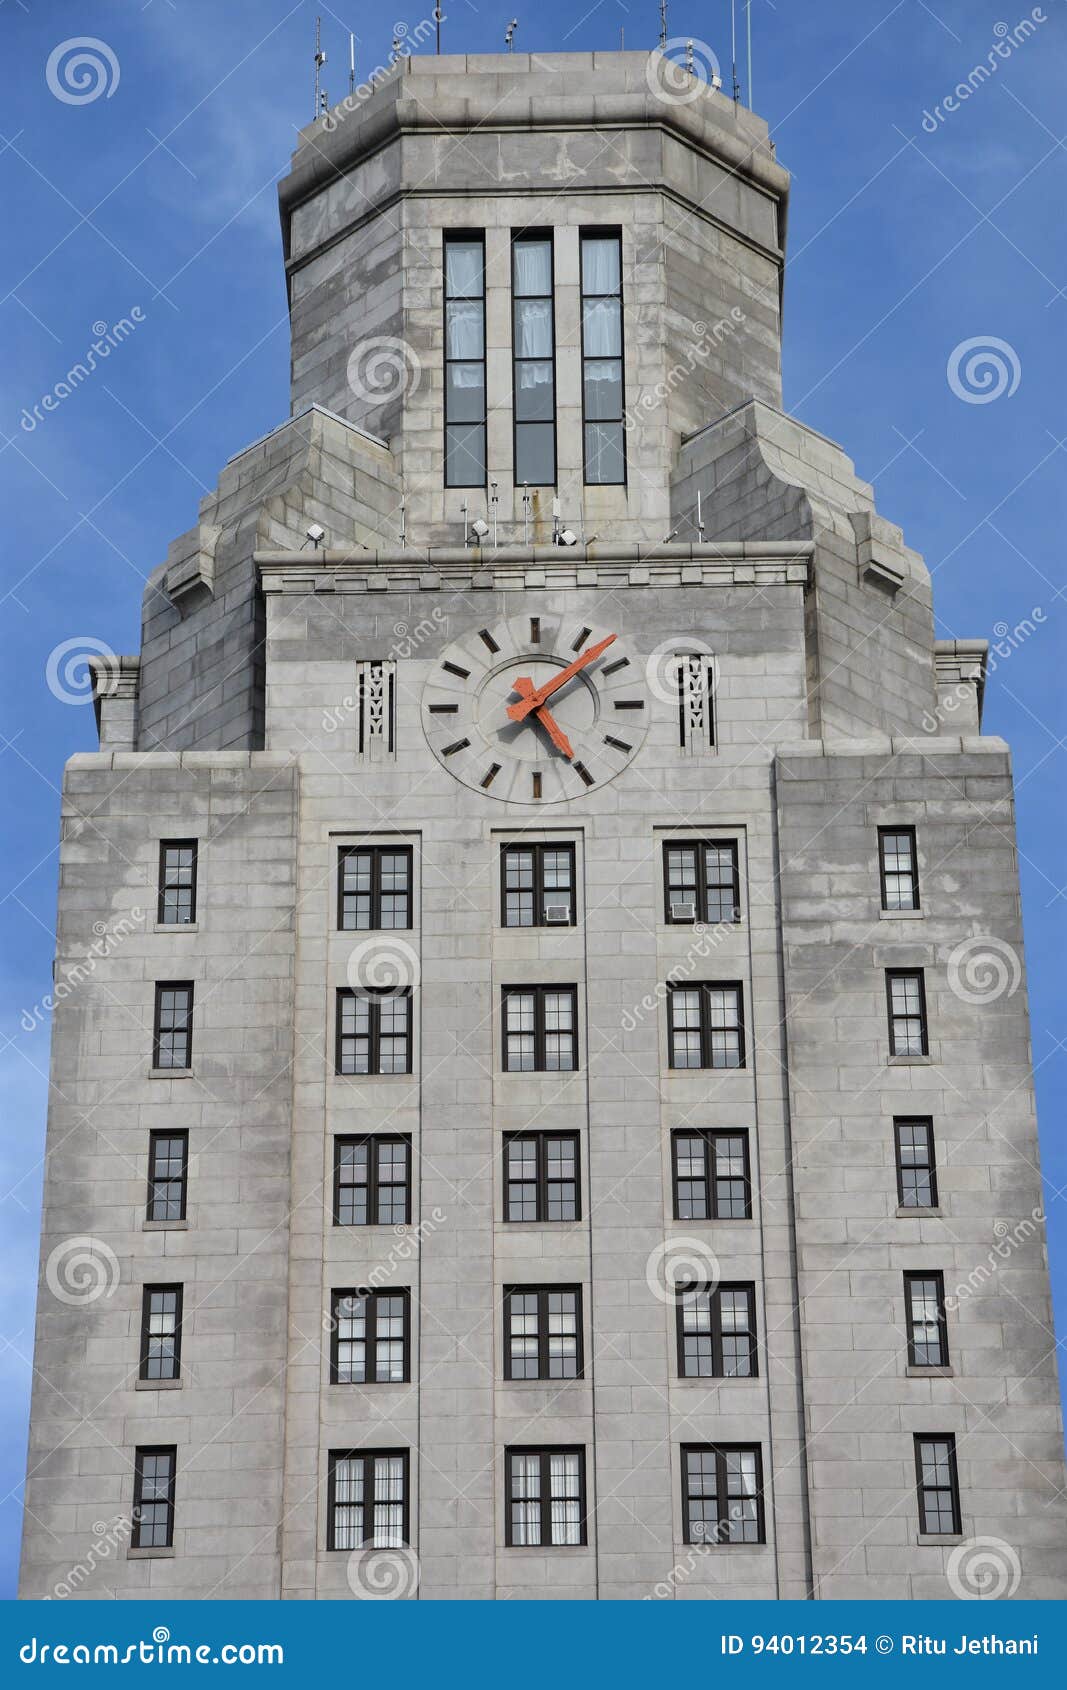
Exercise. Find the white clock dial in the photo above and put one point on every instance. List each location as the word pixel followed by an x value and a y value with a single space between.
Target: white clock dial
pixel 530 710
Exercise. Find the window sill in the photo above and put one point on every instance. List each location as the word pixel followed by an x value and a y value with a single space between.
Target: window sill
pixel 901 915
pixel 913 1211
pixel 930 1372
pixel 361 1079
pixel 158 1384
pixel 927 1061
pixel 569 1550
pixel 150 1554
pixel 175 926
pixel 383 1385
pixel 170 1073
pixel 934 1538
pixel 164 1226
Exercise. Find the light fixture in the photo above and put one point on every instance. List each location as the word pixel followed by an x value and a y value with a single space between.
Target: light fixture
pixel 480 528
pixel 316 534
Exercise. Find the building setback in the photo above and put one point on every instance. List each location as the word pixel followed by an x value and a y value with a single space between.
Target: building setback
pixel 542 1125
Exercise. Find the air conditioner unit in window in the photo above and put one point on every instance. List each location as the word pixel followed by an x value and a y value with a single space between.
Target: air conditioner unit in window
pixel 558 912
pixel 683 909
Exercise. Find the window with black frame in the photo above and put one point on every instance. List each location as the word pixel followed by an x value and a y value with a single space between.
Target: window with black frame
pixel 534 354
pixel 153 1497
pixel 722 1493
pixel 367 1499
pixel 938 1484
pixel 465 404
pixel 906 996
pixel 538 885
pixel 898 868
pixel 370 1333
pixel 172 1040
pixel 702 882
pixel 711 1175
pixel 545 1497
pixel 374 887
pixel 177 883
pixel 372 1181
pixel 543 1332
pixel 924 1301
pixel 706 1024
pixel 373 1032
pixel 168 1173
pixel 541 1177
pixel 717 1332
pixel 540 1029
pixel 161 1332
pixel 602 358
pixel 916 1168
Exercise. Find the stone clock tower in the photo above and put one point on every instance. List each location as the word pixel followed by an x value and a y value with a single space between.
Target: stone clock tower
pixel 547 1129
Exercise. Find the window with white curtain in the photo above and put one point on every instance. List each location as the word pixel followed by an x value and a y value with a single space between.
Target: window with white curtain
pixel 465 463
pixel 534 353
pixel 602 383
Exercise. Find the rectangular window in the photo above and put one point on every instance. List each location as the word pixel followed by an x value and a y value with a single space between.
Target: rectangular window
pixel 367 1499
pixel 602 364
pixel 168 1173
pixel 540 1029
pixel 538 885
pixel 938 1484
pixel 906 995
pixel 899 868
pixel 924 1299
pixel 717 1332
pixel 545 1502
pixel 465 460
pixel 543 1332
pixel 153 1497
pixel 373 887
pixel 371 1181
pixel 706 1026
pixel 373 1032
pixel 711 1176
pixel 702 881
pixel 370 1342
pixel 161 1332
pixel 722 1493
pixel 916 1172
pixel 177 882
pixel 172 1040
pixel 534 343
pixel 541 1177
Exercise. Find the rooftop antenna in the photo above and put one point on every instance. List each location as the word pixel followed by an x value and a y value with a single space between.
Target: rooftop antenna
pixel 494 502
pixel 700 518
pixel 662 24
pixel 351 64
pixel 733 52
pixel 320 60
pixel 395 54
pixel 404 522
pixel 437 20
pixel 509 36
pixel 748 32
pixel 526 513
pixel 689 58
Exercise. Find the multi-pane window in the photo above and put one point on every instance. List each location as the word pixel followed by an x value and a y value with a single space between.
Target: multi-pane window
pixel 545 1502
pixel 702 881
pixel 367 1500
pixel 465 460
pixel 540 1029
pixel 706 1026
pixel 538 885
pixel 373 1032
pixel 534 343
pixel 898 868
pixel 906 996
pixel 371 1181
pixel 717 1332
pixel 153 1497
pixel 541 1177
pixel 722 1493
pixel 924 1298
pixel 938 1483
pixel 161 1332
pixel 373 887
pixel 916 1172
pixel 172 1041
pixel 711 1176
pixel 602 367
pixel 168 1172
pixel 370 1337
pixel 542 1332
pixel 177 882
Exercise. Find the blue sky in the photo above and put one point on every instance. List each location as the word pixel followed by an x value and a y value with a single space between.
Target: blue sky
pixel 905 241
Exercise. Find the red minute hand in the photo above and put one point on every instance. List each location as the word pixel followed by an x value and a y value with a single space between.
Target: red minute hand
pixel 546 718
pixel 531 701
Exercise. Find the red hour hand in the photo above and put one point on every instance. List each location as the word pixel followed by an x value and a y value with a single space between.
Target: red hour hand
pixel 533 697
pixel 555 732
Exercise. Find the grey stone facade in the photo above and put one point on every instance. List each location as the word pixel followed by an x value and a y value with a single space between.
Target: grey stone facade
pixel 244 726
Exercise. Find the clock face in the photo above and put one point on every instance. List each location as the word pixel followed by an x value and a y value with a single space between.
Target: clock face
pixel 535 709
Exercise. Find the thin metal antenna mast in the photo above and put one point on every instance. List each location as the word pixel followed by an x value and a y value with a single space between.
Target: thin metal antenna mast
pixel 320 60
pixel 748 30
pixel 351 64
pixel 663 23
pixel 509 36
pixel 437 25
pixel 733 52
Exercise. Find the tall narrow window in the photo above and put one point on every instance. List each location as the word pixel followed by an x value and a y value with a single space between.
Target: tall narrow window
pixel 153 1497
pixel 373 1032
pixel 916 1172
pixel 898 868
pixel 538 889
pixel 168 1173
pixel 924 1298
pixel 534 342
pixel 906 994
pixel 161 1332
pixel 370 1337
pixel 702 881
pixel 172 1041
pixel 706 1026
pixel 711 1177
pixel 367 1499
pixel 938 1484
pixel 722 1493
pixel 602 365
pixel 717 1332
pixel 372 1181
pixel 545 1501
pixel 542 1332
pixel 177 882
pixel 540 1029
pixel 465 461
pixel 374 887
pixel 541 1177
